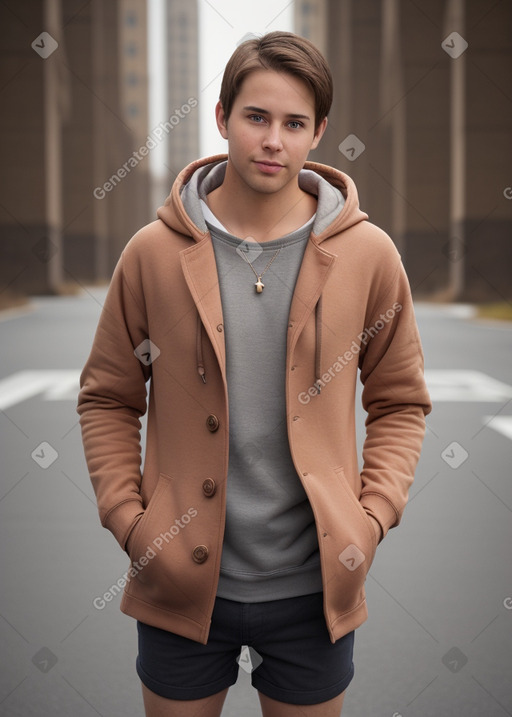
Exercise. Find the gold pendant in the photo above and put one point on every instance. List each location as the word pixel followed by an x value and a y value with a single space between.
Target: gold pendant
pixel 259 285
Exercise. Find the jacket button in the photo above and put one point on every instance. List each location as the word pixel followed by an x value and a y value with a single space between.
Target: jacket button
pixel 200 553
pixel 212 423
pixel 209 487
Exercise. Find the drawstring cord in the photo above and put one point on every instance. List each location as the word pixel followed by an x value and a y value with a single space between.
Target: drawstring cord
pixel 318 345
pixel 199 349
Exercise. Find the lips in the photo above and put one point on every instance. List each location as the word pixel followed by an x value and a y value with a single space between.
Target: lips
pixel 269 167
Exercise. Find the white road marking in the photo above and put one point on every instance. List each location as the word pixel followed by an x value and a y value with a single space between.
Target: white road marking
pixel 64 388
pixel 467 386
pixel 56 385
pixel 502 424
pixel 452 311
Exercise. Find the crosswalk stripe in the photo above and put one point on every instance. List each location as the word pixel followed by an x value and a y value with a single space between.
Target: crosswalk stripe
pixel 502 424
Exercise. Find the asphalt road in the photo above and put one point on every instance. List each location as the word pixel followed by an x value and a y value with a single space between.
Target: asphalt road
pixel 439 637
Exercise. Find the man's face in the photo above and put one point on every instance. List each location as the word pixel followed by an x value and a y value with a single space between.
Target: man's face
pixel 270 130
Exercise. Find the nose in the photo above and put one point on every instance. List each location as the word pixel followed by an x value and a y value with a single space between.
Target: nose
pixel 272 140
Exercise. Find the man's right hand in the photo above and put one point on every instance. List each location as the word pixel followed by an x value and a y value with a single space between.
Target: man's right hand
pixel 129 540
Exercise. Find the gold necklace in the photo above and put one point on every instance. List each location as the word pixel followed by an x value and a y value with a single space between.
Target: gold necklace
pixel 259 284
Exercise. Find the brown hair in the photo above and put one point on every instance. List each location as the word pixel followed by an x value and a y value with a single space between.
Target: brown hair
pixel 281 52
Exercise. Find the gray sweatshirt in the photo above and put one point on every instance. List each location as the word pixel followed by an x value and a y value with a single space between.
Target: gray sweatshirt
pixel 270 548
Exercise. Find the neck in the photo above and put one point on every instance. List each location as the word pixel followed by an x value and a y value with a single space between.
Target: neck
pixel 263 216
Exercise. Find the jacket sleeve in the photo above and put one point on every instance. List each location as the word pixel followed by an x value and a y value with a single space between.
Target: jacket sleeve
pixel 396 400
pixel 111 401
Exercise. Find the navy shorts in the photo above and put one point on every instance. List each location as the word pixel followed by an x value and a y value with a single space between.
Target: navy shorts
pixel 283 644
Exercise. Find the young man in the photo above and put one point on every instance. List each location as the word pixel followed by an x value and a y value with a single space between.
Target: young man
pixel 249 305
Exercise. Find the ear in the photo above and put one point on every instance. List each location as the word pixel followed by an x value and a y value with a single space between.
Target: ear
pixel 222 122
pixel 319 133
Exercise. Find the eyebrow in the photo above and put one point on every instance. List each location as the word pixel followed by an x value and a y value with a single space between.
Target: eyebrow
pixel 261 111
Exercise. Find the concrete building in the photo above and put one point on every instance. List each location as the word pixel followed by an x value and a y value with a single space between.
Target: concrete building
pixel 182 85
pixel 74 96
pixel 422 121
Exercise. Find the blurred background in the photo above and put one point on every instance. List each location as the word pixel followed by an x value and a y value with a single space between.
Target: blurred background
pixel 103 103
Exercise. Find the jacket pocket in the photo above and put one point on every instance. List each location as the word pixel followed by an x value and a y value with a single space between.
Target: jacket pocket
pixel 163 572
pixel 364 536
pixel 138 536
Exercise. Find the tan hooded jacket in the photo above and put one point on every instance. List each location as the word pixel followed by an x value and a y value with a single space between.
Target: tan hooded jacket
pixel 162 320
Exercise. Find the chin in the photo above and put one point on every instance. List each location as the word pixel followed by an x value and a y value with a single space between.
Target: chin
pixel 266 188
pixel 268 184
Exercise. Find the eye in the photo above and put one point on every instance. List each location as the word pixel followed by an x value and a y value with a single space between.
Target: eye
pixel 257 118
pixel 294 124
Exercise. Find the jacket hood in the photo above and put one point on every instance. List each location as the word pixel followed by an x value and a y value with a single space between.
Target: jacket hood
pixel 338 202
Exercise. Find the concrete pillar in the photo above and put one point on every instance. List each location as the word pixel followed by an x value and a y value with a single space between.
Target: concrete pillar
pixel 455 22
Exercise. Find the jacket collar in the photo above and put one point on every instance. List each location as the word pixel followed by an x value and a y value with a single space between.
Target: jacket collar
pixel 200 269
pixel 174 212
